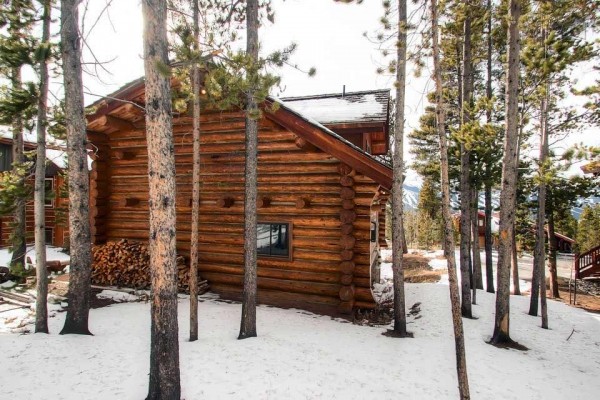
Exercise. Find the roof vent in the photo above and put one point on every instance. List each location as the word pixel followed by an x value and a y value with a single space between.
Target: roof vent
pixel 344 91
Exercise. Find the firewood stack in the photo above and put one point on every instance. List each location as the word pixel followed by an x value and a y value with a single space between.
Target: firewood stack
pixel 127 264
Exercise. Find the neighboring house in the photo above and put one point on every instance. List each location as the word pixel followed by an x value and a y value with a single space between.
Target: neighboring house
pixel 592 168
pixel 56 224
pixel 321 194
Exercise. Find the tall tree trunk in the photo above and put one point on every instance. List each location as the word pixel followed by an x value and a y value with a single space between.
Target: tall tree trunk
pixel 509 180
pixel 459 340
pixel 552 246
pixel 540 238
pixel 195 182
pixel 41 301
pixel 489 268
pixel 515 265
pixel 18 239
pixel 248 323
pixel 398 165
pixel 465 170
pixel 477 273
pixel 80 269
pixel 164 348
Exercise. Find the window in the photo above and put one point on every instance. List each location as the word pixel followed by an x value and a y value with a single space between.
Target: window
pixel 5 157
pixel 273 239
pixel 49 192
pixel 481 221
pixel 49 235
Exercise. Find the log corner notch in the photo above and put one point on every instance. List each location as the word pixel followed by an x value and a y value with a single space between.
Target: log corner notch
pixel 303 202
pixel 347 240
pixel 263 202
pixel 129 202
pixel 225 202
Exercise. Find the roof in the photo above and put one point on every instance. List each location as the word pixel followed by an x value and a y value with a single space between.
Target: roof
pixel 591 168
pixel 54 153
pixel 295 120
pixel 350 107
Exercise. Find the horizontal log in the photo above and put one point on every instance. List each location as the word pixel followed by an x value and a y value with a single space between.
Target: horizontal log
pixel 323 289
pixel 275 273
pixel 363 294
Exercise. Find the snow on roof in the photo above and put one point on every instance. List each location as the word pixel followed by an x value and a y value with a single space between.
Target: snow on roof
pixel 292 108
pixel 367 106
pixel 56 156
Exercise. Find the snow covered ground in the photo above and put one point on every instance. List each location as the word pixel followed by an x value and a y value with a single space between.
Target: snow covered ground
pixel 299 355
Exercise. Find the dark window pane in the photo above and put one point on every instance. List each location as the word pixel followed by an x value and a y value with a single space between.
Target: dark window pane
pixel 49 236
pixel 279 240
pixel 49 192
pixel 5 157
pixel 273 240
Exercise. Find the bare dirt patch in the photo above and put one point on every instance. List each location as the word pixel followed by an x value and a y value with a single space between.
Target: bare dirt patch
pixel 417 269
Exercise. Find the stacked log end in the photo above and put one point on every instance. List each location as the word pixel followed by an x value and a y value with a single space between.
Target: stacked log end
pixel 347 240
pixel 126 263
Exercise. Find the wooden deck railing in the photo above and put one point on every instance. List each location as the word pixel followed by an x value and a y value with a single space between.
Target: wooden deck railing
pixel 588 264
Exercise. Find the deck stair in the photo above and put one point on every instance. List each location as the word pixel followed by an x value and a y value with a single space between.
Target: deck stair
pixel 587 264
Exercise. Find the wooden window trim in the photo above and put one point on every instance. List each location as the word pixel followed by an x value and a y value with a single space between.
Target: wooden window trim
pixel 289 257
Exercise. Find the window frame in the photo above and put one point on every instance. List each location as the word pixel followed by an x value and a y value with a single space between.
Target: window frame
pixel 289 257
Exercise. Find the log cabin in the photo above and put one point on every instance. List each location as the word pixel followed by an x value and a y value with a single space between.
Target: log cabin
pixel 56 205
pixel 321 193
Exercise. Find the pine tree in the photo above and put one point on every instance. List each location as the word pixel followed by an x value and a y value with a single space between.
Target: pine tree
pixel 461 362
pixel 509 181
pixel 76 320
pixel 248 323
pixel 17 108
pixel 41 305
pixel 164 346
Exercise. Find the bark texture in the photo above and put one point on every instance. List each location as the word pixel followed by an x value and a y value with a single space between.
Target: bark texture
pixel 515 265
pixel 248 322
pixel 489 267
pixel 76 320
pixel 41 302
pixel 195 185
pixel 398 165
pixel 19 246
pixel 552 246
pixel 465 170
pixel 459 341
pixel 476 282
pixel 508 194
pixel 164 351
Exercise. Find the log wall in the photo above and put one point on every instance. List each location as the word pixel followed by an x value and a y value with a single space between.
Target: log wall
pixel 325 202
pixel 54 220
